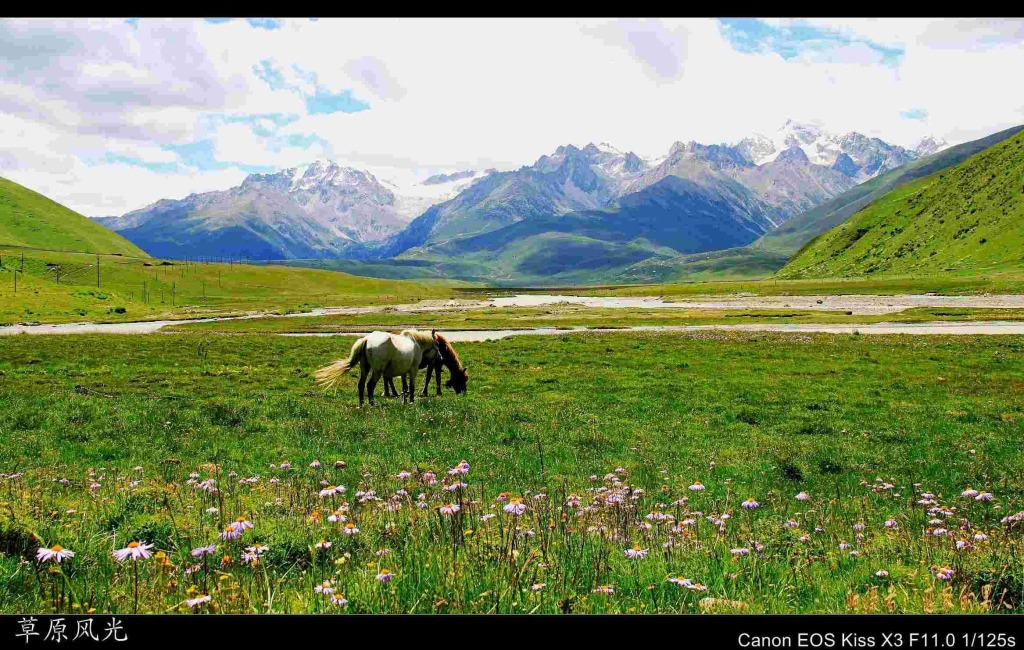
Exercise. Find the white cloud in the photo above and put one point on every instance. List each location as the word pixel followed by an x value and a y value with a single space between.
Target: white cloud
pixel 456 94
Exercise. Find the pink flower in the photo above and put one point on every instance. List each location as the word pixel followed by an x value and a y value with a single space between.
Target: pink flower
pixel 135 551
pixel 515 507
pixel 449 509
pixel 697 487
pixel 750 504
pixel 315 464
pixel 55 553
pixel 195 602
pixel 607 590
pixel 803 496
pixel 385 576
pixel 636 553
pixel 204 550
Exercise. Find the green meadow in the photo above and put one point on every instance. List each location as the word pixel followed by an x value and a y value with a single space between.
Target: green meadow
pixel 582 451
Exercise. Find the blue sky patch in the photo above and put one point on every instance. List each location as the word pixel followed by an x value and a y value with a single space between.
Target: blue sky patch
pixel 265 23
pixel 796 39
pixel 324 102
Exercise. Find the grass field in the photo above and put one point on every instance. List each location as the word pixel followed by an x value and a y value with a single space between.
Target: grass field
pixel 100 435
pixel 62 287
pixel 572 316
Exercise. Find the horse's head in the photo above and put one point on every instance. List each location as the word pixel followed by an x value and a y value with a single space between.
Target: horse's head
pixel 458 380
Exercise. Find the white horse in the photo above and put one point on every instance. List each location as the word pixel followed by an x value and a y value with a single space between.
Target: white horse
pixel 381 354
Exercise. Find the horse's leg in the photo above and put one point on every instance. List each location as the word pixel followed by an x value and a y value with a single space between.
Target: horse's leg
pixel 362 384
pixel 412 385
pixel 437 377
pixel 405 389
pixel 426 383
pixel 373 384
pixel 389 387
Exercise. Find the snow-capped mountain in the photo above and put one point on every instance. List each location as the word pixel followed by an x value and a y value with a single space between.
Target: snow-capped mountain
pixel 929 145
pixel 865 157
pixel 313 211
pixel 414 196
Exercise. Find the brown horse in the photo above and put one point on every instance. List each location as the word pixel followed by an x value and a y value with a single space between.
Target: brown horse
pixel 447 357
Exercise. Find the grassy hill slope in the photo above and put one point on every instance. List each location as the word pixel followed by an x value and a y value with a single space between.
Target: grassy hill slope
pixel 968 218
pixel 30 219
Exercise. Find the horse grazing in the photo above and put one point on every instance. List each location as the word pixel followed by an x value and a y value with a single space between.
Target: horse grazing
pixel 381 354
pixel 446 356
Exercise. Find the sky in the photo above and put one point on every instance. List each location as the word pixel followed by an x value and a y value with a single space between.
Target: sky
pixel 108 116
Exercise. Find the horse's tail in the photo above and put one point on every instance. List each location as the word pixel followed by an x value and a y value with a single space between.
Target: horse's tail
pixel 328 376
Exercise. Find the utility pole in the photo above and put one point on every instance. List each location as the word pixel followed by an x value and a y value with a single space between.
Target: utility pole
pixel 174 287
pixel 97 271
pixel 15 281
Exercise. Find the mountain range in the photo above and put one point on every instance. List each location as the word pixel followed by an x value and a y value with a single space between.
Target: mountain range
pixel 577 210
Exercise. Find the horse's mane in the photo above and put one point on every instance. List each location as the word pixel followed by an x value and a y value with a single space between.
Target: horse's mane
pixel 448 354
pixel 421 337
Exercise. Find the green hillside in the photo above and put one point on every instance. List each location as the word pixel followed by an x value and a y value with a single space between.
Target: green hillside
pixel 792 235
pixel 968 218
pixel 30 219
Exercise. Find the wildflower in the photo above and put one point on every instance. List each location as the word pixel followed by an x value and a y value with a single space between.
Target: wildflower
pixel 984 496
pixel 449 509
pixel 382 552
pixel 488 516
pixel 385 576
pixel 697 487
pixel 332 490
pixel 843 546
pixel 858 527
pixel 55 553
pixel 538 587
pixel 636 553
pixel 961 544
pixel 891 523
pixel 241 524
pixel 349 529
pixel 882 573
pixel 230 533
pixel 324 588
pixel 286 465
pixel 461 469
pixel 204 550
pixel 323 545
pixel 792 523
pixel 315 464
pixel 803 496
pixel 750 504
pixel 195 602
pixel 969 493
pixel 980 537
pixel 740 551
pixel 943 572
pixel 403 475
pixel 135 551
pixel 515 506
pixel 337 516
pixel 607 590
pixel 573 501
pixel 339 600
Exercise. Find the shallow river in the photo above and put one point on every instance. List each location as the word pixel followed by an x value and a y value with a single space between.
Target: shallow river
pixel 855 304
